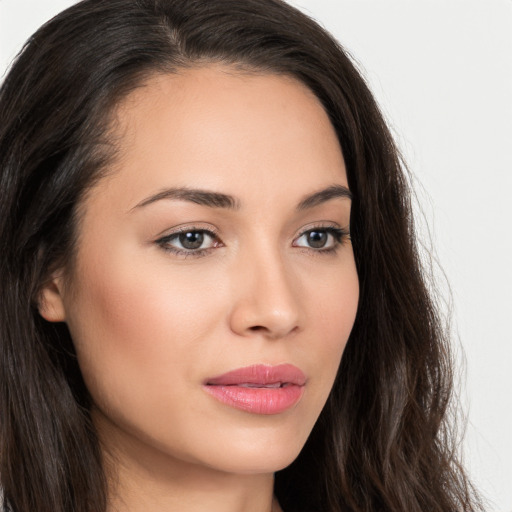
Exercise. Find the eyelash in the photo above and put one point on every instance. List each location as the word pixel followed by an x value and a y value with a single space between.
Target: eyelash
pixel 339 235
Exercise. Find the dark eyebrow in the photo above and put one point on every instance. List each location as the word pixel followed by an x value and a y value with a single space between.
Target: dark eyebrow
pixel 324 195
pixel 202 197
pixel 219 200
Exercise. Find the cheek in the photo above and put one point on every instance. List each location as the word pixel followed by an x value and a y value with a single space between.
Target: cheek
pixel 135 323
pixel 334 297
pixel 336 308
pixel 332 300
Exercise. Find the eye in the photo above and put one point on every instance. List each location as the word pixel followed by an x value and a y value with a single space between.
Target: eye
pixel 189 241
pixel 321 239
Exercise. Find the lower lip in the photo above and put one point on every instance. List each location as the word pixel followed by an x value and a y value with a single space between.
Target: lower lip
pixel 257 400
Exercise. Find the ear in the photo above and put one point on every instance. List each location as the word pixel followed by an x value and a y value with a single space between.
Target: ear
pixel 51 303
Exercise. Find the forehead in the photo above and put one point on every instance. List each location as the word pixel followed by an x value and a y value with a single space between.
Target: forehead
pixel 219 128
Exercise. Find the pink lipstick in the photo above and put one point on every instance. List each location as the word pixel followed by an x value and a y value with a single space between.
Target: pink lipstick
pixel 259 389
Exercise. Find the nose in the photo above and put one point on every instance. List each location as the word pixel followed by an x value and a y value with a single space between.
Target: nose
pixel 266 298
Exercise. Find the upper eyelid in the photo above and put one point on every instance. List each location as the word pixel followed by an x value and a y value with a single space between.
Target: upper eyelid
pixel 319 225
pixel 187 228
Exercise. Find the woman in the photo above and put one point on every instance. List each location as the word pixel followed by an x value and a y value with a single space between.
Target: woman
pixel 212 296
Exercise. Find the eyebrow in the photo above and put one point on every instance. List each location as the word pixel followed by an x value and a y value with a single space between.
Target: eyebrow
pixel 202 197
pixel 322 196
pixel 219 200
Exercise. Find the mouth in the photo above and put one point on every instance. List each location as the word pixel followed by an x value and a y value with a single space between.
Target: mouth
pixel 259 389
pixel 273 385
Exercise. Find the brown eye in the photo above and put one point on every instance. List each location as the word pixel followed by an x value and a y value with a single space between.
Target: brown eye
pixel 321 239
pixel 191 240
pixel 317 239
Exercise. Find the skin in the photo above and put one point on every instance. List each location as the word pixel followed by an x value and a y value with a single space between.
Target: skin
pixel 150 325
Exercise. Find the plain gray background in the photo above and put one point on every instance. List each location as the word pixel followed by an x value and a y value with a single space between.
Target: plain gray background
pixel 442 72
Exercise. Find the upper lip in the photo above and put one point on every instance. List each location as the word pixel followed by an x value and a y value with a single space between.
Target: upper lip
pixel 260 374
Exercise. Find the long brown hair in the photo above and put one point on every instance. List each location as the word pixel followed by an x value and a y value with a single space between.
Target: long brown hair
pixel 382 442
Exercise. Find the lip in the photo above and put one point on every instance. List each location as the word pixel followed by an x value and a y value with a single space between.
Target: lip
pixel 259 389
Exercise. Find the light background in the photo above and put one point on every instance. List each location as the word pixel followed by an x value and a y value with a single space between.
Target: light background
pixel 442 72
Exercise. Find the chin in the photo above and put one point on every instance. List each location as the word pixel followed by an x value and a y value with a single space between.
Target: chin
pixel 250 463
pixel 255 451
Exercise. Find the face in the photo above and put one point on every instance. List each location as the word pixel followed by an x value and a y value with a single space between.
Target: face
pixel 214 287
